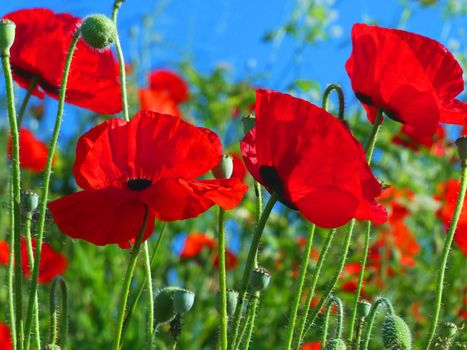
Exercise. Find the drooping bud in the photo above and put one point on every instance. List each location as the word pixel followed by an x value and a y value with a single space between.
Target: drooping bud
pixel 7 35
pixel 396 334
pixel 183 300
pixel 249 123
pixel 29 201
pixel 461 144
pixel 98 31
pixel 224 169
pixel 164 310
pixel 447 330
pixel 335 344
pixel 232 299
pixel 363 308
pixel 259 280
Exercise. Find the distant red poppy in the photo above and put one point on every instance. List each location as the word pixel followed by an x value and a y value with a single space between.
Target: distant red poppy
pixel 447 194
pixel 32 152
pixel 169 82
pixel 4 253
pixel 40 48
pixel 414 79
pixel 316 345
pixel 152 161
pixel 396 200
pixel 157 101
pixel 5 337
pixel 411 138
pixel 52 262
pixel 311 160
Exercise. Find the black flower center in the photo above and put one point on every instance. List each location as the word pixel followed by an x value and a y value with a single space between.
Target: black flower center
pixel 365 99
pixel 138 184
pixel 271 179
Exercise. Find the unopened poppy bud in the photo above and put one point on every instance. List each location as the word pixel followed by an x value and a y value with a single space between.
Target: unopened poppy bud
pixel 363 308
pixel 29 201
pixel 7 35
pixel 183 300
pixel 461 144
pixel 396 333
pixel 335 344
pixel 249 123
pixel 224 169
pixel 259 280
pixel 98 31
pixel 447 330
pixel 164 310
pixel 232 299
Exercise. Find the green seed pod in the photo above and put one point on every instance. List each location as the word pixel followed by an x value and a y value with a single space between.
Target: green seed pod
pixel 224 169
pixel 7 35
pixel 259 280
pixel 447 330
pixel 232 299
pixel 98 31
pixel 335 344
pixel 29 201
pixel 183 300
pixel 461 144
pixel 164 310
pixel 363 308
pixel 248 123
pixel 396 334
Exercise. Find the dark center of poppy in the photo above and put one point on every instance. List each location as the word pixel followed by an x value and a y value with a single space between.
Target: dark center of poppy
pixel 44 84
pixel 138 184
pixel 365 99
pixel 271 179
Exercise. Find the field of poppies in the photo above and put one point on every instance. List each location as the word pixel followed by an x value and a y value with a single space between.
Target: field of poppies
pixel 199 211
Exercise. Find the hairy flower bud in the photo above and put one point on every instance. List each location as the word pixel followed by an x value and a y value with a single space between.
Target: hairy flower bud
pixel 7 35
pixel 396 334
pixel 335 344
pixel 164 310
pixel 224 169
pixel 98 31
pixel 29 201
pixel 259 280
pixel 363 308
pixel 232 299
pixel 183 300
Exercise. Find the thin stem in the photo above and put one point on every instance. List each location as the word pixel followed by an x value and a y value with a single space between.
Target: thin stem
pixel 11 259
pixel 245 324
pixel 324 336
pixel 249 266
pixel 54 313
pixel 444 258
pixel 250 321
pixel 15 200
pixel 147 265
pixel 24 104
pixel 371 318
pixel 340 318
pixel 222 280
pixel 360 281
pixel 299 288
pixel 358 335
pixel 340 94
pixel 314 281
pixel 46 182
pixel 126 283
pixel 121 61
pixel 371 141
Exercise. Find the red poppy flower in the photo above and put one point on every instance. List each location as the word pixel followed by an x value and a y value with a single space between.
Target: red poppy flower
pixel 316 345
pixel 4 253
pixel 32 152
pixel 52 262
pixel 157 101
pixel 414 79
pixel 311 160
pixel 396 201
pixel 5 337
pixel 239 170
pixel 39 51
pixel 152 161
pixel 170 83
pixel 410 137
pixel 447 195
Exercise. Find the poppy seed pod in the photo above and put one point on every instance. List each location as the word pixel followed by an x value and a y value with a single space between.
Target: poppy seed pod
pixel 232 299
pixel 461 144
pixel 335 344
pixel 396 333
pixel 164 310
pixel 183 300
pixel 7 35
pixel 363 308
pixel 98 31
pixel 224 169
pixel 447 330
pixel 29 201
pixel 259 280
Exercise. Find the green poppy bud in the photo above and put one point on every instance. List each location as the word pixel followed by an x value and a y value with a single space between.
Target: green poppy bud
pixel 259 280
pixel 224 169
pixel 363 308
pixel 461 144
pixel 183 300
pixel 29 201
pixel 447 330
pixel 396 334
pixel 164 310
pixel 335 344
pixel 249 123
pixel 98 31
pixel 7 35
pixel 232 299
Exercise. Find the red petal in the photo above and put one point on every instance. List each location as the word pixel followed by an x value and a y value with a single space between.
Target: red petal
pixel 157 101
pixel 101 216
pixel 4 253
pixel 195 243
pixel 32 152
pixel 169 82
pixel 5 337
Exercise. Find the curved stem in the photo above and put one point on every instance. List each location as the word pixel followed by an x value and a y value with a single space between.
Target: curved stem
pixel 340 317
pixel 444 258
pixel 340 94
pixel 222 280
pixel 121 61
pixel 250 321
pixel 299 288
pixel 314 281
pixel 371 141
pixel 15 200
pixel 24 104
pixel 371 318
pixel 54 313
pixel 147 265
pixel 46 182
pixel 249 266
pixel 358 335
pixel 360 281
pixel 126 283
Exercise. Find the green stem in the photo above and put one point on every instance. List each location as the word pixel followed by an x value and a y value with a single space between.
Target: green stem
pixel 444 258
pixel 250 321
pixel 314 281
pixel 340 318
pixel 55 314
pixel 299 288
pixel 126 283
pixel 324 336
pixel 15 201
pixel 250 262
pixel 340 94
pixel 222 280
pixel 360 281
pixel 121 61
pixel 24 104
pixel 358 335
pixel 245 324
pixel 46 182
pixel 371 318
pixel 371 141
pixel 11 259
pixel 147 265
